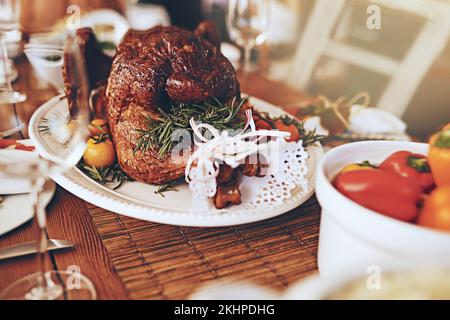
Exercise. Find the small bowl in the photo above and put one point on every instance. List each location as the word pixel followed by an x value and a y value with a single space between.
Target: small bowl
pixel 47 61
pixel 355 238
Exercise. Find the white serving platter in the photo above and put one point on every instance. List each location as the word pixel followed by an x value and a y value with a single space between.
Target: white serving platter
pixel 139 200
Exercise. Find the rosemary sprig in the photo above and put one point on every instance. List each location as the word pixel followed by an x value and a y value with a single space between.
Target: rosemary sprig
pixel 158 134
pixel 311 137
pixel 167 187
pixel 101 138
pixel 105 175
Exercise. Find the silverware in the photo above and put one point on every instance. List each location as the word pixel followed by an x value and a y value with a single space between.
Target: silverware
pixel 30 248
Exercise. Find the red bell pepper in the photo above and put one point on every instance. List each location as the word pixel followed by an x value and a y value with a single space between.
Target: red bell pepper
pixel 381 191
pixel 410 165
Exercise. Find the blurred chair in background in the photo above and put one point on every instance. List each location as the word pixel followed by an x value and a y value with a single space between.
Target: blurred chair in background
pixel 390 63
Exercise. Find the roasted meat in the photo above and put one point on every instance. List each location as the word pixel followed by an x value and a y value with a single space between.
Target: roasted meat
pixel 227 194
pixel 208 31
pixel 155 70
pixel 97 64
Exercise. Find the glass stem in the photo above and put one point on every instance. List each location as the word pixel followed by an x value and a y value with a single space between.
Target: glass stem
pixel 46 288
pixel 247 58
pixel 39 212
pixel 7 86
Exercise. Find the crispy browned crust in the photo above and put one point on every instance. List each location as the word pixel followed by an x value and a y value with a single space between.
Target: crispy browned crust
pixel 154 69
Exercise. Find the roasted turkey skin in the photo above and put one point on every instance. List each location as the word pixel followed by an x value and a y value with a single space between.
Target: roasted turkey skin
pixel 155 69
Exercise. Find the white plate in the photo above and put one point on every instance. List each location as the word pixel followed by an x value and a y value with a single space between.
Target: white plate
pixel 15 210
pixel 139 200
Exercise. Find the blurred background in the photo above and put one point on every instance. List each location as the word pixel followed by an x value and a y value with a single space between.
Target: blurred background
pixel 321 46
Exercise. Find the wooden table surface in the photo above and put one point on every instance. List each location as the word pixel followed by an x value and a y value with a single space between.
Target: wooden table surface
pixel 98 233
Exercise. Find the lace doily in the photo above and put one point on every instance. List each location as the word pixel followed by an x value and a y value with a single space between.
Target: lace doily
pixel 278 186
pixel 287 165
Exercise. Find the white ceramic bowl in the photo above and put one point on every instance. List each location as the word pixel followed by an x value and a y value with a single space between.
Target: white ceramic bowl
pixel 401 284
pixel 50 71
pixel 353 238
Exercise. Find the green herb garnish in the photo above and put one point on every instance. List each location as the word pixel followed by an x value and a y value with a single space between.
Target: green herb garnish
pixel 167 187
pixel 105 175
pixel 158 134
pixel 107 45
pixel 101 138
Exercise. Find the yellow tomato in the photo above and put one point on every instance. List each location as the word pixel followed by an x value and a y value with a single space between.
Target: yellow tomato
pixel 99 126
pixel 100 154
pixel 436 212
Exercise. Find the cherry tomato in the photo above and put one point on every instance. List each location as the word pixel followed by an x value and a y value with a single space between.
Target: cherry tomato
pixel 291 128
pixel 262 125
pixel 100 154
pixel 98 127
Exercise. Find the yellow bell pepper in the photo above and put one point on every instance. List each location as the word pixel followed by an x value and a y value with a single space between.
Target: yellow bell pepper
pixel 439 156
pixel 358 166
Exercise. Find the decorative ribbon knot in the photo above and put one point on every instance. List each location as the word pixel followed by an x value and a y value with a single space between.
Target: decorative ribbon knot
pixel 215 147
pixel 334 105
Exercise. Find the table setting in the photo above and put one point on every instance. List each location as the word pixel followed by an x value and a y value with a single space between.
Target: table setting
pixel 143 160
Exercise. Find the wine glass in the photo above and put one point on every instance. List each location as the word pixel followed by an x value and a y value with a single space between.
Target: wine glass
pixel 9 21
pixel 248 23
pixel 67 132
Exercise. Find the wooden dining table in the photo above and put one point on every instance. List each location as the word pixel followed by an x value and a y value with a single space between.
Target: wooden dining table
pixel 128 258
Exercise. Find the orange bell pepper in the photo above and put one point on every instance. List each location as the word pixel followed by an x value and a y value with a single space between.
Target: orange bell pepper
pixel 439 156
pixel 436 211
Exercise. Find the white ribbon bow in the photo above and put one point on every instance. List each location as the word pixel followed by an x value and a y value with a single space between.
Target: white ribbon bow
pixel 223 148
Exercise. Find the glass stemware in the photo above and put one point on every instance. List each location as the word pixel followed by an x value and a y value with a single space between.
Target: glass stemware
pixel 68 130
pixel 248 23
pixel 9 21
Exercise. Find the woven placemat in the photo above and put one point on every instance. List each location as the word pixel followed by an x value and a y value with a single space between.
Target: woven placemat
pixel 158 261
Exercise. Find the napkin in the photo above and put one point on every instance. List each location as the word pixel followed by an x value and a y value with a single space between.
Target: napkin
pixel 371 120
pixel 10 184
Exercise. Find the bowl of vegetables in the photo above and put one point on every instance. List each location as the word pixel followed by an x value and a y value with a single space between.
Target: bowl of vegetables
pixel 385 203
